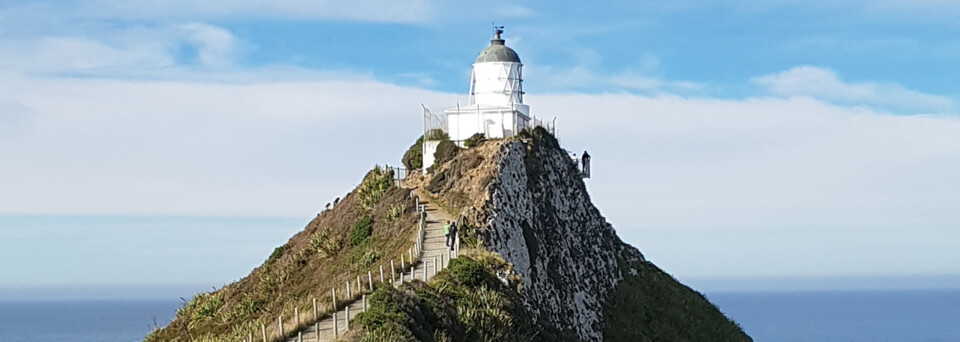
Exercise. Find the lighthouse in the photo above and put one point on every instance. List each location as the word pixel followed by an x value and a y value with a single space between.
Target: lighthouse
pixel 494 105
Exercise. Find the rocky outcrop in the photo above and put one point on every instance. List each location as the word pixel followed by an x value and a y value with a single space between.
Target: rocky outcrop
pixel 577 279
pixel 540 218
pixel 524 199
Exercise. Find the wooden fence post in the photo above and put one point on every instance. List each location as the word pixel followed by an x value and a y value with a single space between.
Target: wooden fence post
pixel 348 291
pixel 300 336
pixel 333 297
pixel 263 330
pixel 364 303
pixel 316 328
pixel 280 323
pixel 346 318
pixel 335 333
pixel 359 287
pixel 393 273
pixel 402 264
pixel 435 268
pixel 314 309
pixel 370 280
pixel 381 271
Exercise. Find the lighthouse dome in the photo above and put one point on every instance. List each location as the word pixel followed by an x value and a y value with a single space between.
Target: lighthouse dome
pixel 498 52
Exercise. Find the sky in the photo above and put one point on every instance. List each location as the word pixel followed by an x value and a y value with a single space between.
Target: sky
pixel 739 144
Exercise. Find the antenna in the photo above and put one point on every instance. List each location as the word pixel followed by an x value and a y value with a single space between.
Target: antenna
pixel 497 30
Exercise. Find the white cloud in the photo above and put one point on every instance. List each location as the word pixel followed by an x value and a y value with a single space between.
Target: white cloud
pixel 215 45
pixel 588 74
pixel 129 50
pixel 770 187
pixel 824 84
pixel 361 10
pixel 705 187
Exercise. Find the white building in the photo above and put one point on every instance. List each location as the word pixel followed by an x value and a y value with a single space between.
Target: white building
pixel 495 105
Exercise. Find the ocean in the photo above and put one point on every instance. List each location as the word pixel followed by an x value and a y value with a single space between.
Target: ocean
pixel 823 316
pixel 845 316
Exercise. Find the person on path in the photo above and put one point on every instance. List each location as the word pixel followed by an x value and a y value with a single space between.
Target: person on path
pixel 446 233
pixel 453 235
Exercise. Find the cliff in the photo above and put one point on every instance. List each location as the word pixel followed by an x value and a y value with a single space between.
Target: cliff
pixel 524 199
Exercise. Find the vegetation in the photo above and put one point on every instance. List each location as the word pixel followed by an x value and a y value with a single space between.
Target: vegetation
pixel 324 244
pixel 446 151
pixel 465 302
pixel 653 306
pixel 396 212
pixel 361 230
pixel 413 158
pixel 474 140
pixel 541 136
pixel 379 219
pixel 373 186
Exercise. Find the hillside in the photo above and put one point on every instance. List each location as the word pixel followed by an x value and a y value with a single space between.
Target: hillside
pixel 372 223
pixel 538 263
pixel 523 199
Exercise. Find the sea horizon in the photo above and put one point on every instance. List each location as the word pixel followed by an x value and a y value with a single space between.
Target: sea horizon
pixel 786 316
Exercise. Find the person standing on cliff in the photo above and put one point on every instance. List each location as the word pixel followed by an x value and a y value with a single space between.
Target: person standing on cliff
pixel 585 158
pixel 446 233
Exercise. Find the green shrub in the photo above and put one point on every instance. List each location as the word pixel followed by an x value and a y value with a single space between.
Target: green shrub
pixel 325 246
pixel 277 253
pixel 474 140
pixel 466 271
pixel 540 135
pixel 206 305
pixel 446 151
pixel 361 230
pixel 396 211
pixel 374 184
pixel 413 158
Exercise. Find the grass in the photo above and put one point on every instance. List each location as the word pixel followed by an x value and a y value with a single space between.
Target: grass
pixel 361 230
pixel 465 302
pixel 306 267
pixel 653 306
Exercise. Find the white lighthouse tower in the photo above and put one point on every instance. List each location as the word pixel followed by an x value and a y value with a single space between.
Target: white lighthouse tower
pixel 495 105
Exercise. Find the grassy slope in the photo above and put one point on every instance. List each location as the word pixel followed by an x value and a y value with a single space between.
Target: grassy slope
pixel 653 306
pixel 465 302
pixel 299 271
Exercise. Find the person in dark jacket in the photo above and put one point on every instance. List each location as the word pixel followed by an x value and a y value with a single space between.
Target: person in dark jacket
pixel 453 235
pixel 586 164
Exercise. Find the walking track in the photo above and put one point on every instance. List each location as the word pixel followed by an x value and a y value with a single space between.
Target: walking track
pixel 434 248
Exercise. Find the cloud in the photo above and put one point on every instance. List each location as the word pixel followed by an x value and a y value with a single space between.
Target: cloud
pixel 776 186
pixel 824 84
pixel 127 50
pixel 587 73
pixel 705 187
pixel 101 146
pixel 411 11
pixel 215 45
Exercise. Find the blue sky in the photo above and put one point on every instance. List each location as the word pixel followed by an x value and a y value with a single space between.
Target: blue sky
pixel 731 140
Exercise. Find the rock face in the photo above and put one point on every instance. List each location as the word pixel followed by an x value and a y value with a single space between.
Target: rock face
pixel 540 218
pixel 577 279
